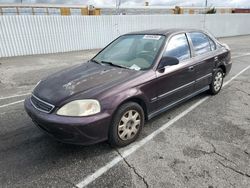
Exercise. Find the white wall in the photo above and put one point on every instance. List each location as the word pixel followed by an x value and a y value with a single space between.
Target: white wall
pixel 26 35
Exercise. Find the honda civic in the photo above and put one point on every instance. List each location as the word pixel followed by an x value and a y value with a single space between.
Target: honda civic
pixel 136 77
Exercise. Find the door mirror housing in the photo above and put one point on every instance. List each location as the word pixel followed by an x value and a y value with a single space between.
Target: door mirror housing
pixel 167 61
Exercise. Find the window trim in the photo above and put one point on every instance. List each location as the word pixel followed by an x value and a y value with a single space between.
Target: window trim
pixel 211 40
pixel 193 56
pixel 191 43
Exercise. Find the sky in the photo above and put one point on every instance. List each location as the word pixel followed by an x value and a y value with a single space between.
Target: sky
pixel 200 3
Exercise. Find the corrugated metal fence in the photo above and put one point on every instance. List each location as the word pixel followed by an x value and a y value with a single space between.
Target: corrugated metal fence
pixel 26 35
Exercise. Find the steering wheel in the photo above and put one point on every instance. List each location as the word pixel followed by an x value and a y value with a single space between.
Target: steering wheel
pixel 147 56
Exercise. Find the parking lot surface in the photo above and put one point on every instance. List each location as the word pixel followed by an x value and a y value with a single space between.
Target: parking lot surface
pixel 204 142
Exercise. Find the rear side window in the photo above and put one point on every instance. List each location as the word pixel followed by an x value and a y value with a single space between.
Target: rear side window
pixel 178 47
pixel 200 43
pixel 212 44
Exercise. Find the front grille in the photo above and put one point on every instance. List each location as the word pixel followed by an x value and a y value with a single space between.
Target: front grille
pixel 41 105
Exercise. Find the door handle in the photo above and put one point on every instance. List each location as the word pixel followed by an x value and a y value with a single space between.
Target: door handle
pixel 216 58
pixel 191 68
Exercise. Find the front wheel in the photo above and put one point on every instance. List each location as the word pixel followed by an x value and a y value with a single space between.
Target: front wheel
pixel 126 125
pixel 217 82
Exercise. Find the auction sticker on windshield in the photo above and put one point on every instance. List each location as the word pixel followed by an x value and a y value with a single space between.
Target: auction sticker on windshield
pixel 153 37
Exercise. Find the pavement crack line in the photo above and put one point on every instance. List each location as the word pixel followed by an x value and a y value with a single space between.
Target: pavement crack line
pixel 66 181
pixel 217 153
pixel 246 152
pixel 244 81
pixel 233 169
pixel 214 151
pixel 241 90
pixel 133 168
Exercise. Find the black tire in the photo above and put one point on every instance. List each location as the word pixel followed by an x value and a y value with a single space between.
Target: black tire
pixel 117 122
pixel 215 88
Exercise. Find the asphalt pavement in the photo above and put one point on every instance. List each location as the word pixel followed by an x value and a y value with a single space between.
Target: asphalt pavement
pixel 204 142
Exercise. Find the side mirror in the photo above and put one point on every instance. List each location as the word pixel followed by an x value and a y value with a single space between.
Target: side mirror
pixel 167 61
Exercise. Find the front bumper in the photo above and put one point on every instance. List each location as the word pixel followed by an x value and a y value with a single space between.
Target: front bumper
pixel 74 130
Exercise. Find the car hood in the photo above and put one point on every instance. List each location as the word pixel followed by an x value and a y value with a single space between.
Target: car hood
pixel 88 78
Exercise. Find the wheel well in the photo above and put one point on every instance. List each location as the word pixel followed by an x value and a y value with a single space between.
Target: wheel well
pixel 138 101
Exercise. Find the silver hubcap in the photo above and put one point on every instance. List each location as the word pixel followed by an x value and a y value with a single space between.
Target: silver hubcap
pixel 218 81
pixel 129 125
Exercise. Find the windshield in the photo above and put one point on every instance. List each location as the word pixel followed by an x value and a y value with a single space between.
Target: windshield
pixel 131 51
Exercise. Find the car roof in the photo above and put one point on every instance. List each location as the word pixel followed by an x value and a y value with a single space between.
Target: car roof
pixel 165 32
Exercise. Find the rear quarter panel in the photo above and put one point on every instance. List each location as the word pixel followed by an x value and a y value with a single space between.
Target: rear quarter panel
pixel 224 60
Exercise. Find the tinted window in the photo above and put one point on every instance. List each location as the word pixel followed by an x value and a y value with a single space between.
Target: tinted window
pixel 200 43
pixel 178 47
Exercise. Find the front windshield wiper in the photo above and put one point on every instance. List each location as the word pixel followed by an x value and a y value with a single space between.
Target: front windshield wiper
pixel 115 65
pixel 93 60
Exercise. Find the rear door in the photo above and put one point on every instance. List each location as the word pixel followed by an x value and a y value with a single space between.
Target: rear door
pixel 176 81
pixel 203 58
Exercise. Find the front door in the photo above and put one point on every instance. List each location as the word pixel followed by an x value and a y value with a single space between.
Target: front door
pixel 176 81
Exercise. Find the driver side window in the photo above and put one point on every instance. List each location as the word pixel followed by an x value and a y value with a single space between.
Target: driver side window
pixel 178 47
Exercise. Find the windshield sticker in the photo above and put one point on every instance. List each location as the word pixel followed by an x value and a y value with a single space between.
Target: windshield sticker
pixel 152 37
pixel 135 67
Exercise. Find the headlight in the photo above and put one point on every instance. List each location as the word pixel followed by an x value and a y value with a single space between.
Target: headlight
pixel 80 108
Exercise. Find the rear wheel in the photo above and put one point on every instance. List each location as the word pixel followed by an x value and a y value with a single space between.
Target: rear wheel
pixel 126 125
pixel 217 82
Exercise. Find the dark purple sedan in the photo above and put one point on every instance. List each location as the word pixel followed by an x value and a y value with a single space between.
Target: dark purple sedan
pixel 136 77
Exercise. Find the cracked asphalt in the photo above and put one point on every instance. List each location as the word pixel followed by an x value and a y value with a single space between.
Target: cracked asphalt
pixel 209 147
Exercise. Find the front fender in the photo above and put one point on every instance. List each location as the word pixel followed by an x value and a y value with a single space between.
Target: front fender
pixel 112 103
